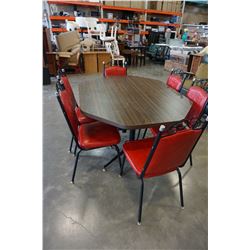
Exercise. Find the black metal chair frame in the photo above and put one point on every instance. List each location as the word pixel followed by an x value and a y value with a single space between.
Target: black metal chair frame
pixel 81 148
pixel 60 87
pixel 149 158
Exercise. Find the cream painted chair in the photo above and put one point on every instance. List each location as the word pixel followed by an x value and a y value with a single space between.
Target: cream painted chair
pixel 113 49
pixel 103 37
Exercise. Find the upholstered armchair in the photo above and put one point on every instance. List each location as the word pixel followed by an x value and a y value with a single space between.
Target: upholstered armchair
pixel 69 48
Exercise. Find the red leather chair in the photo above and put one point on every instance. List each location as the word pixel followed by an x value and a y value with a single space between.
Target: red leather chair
pixel 175 82
pixel 160 155
pixel 199 97
pixel 177 78
pixel 80 116
pixel 63 83
pixel 88 135
pixel 114 70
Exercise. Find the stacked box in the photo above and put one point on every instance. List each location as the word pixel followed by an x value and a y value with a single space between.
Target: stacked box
pixel 109 3
pixel 167 5
pixel 152 5
pixel 173 7
pixel 137 4
pixel 122 3
pixel 159 5
pixel 178 6
pixel 169 65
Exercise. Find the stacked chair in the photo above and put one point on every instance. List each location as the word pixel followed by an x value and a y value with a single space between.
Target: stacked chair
pixel 87 135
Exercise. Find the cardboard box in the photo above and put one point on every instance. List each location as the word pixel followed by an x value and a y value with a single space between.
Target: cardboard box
pixel 178 6
pixel 122 3
pixel 159 5
pixel 169 65
pixel 137 4
pixel 152 5
pixel 109 3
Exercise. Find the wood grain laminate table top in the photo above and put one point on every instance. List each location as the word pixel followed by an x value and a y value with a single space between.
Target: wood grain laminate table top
pixel 131 102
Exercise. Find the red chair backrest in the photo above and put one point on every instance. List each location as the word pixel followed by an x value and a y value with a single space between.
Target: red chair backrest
pixel 174 82
pixel 68 87
pixel 199 97
pixel 115 71
pixel 172 152
pixel 68 108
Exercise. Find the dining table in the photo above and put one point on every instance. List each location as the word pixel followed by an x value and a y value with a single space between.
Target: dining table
pixel 131 102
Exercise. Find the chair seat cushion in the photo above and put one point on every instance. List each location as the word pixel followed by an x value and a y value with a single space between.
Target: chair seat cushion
pixel 81 117
pixel 97 134
pixel 137 152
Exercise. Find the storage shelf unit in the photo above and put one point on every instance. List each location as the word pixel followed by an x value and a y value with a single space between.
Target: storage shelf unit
pixel 101 7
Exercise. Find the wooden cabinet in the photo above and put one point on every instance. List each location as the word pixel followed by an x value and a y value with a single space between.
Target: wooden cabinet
pixel 93 61
pixel 193 63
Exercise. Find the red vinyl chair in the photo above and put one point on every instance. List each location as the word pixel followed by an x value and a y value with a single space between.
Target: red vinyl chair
pixel 160 155
pixel 175 82
pixel 87 136
pixel 114 70
pixel 63 83
pixel 177 78
pixel 199 97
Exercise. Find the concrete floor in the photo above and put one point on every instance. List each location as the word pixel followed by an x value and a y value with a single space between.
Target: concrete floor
pixel 100 210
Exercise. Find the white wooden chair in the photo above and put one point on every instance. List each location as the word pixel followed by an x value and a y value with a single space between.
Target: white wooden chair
pixel 112 47
pixel 103 37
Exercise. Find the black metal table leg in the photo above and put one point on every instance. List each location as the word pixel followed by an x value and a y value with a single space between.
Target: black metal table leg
pixel 132 134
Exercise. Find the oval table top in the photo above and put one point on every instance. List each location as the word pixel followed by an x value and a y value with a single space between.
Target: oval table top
pixel 131 102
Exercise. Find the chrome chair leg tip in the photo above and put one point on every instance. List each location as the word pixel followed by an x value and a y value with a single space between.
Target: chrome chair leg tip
pixel 120 175
pixel 104 170
pixel 72 182
pixel 138 223
pixel 182 207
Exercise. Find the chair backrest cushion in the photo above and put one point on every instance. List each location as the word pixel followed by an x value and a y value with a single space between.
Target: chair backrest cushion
pixel 199 97
pixel 69 111
pixel 172 152
pixel 115 71
pixel 68 87
pixel 174 82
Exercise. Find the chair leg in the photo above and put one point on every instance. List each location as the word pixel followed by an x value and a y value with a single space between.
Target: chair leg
pixel 74 171
pixel 180 186
pixel 140 202
pixel 112 160
pixel 144 133
pixel 119 158
pixel 123 162
pixel 191 160
pixel 138 135
pixel 71 144
pixel 75 150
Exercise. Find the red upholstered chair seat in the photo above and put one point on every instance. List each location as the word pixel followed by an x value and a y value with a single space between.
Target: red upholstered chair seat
pixel 171 153
pixel 174 82
pixel 97 135
pixel 115 71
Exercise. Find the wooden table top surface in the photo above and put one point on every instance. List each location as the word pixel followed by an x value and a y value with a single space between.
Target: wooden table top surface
pixel 131 102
